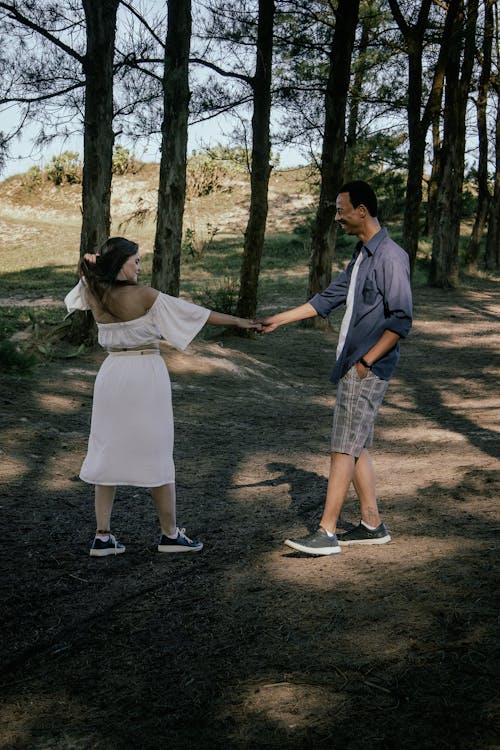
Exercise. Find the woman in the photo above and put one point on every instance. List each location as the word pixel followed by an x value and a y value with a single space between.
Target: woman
pixel 132 431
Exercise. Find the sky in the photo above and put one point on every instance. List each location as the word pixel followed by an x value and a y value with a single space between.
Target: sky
pixel 209 133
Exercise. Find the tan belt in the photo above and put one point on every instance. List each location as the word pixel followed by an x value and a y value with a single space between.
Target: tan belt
pixel 121 352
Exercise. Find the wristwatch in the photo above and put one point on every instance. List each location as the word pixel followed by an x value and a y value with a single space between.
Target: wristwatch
pixel 365 363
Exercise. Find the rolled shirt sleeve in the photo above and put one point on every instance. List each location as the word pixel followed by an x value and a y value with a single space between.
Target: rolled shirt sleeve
pixel 334 295
pixel 398 306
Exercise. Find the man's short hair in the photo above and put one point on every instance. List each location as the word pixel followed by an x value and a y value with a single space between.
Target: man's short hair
pixel 360 192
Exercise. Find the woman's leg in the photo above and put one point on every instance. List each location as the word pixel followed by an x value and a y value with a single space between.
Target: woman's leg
pixel 104 497
pixel 104 543
pixel 164 500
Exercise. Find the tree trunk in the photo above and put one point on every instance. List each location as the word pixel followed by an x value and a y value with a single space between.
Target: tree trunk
pixel 174 131
pixel 333 148
pixel 492 255
pixel 483 197
pixel 444 261
pixel 418 124
pixel 98 136
pixel 361 67
pixel 98 140
pixel 260 169
pixel 432 185
pixel 417 131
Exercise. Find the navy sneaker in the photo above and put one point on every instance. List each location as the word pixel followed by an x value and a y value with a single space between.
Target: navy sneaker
pixel 361 535
pixel 181 543
pixel 110 547
pixel 343 526
pixel 318 543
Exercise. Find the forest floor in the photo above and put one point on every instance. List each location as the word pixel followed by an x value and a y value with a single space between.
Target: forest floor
pixel 248 644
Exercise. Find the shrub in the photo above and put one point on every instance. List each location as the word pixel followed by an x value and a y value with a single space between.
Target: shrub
pixel 196 242
pixel 66 167
pixel 469 204
pixel 223 297
pixel 33 178
pixel 204 175
pixel 213 170
pixel 15 359
pixel 124 161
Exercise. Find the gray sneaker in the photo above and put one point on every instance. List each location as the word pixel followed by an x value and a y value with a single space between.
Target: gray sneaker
pixel 318 543
pixel 361 535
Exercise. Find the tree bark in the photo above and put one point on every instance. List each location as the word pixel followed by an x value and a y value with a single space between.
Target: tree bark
pixel 98 141
pixel 361 67
pixel 492 253
pixel 333 147
pixel 417 131
pixel 260 166
pixel 174 131
pixel 444 261
pixel 418 124
pixel 98 136
pixel 432 185
pixel 483 196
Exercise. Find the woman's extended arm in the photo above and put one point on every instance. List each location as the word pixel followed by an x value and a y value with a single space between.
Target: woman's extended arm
pixel 222 319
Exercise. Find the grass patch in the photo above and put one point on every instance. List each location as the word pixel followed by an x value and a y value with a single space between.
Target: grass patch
pixel 44 281
pixel 14 319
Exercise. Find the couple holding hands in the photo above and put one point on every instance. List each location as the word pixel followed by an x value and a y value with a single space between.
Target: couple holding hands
pixel 132 430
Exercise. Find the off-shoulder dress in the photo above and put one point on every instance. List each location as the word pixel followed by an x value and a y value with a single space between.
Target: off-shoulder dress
pixel 132 429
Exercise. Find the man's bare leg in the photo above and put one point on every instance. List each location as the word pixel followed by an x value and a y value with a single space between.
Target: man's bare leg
pixel 364 484
pixel 342 467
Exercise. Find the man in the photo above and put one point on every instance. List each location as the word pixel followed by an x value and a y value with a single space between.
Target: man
pixel 375 289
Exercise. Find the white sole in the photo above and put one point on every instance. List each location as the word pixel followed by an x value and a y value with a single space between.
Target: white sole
pixel 106 552
pixel 168 548
pixel 382 540
pixel 309 551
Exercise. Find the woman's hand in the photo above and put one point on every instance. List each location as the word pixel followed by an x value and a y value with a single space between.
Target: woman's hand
pixel 222 319
pixel 90 257
pixel 249 324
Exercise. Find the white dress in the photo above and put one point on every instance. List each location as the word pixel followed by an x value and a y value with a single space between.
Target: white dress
pixel 132 430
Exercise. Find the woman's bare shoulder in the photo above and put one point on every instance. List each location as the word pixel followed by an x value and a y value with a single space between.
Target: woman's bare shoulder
pixel 128 302
pixel 147 295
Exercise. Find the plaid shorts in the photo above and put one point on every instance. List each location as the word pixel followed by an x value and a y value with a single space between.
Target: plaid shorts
pixel 355 411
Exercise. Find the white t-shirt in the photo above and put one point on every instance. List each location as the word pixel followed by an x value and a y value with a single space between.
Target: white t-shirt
pixel 344 327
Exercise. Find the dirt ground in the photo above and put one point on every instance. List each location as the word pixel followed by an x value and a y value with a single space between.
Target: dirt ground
pixel 248 644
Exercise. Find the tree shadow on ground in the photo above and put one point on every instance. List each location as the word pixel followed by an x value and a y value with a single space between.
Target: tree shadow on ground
pixel 243 646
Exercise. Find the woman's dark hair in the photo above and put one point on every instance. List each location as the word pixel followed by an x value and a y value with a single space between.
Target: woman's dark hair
pixel 101 276
pixel 360 192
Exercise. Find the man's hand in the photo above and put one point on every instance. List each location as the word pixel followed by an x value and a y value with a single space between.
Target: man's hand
pixel 268 325
pixel 361 370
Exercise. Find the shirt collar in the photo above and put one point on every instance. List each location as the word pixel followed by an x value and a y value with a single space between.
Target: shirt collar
pixel 374 242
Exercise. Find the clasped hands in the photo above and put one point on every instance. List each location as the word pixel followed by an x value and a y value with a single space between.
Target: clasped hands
pixel 259 326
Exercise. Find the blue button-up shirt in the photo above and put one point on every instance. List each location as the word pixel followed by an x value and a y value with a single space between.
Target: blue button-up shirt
pixel 382 301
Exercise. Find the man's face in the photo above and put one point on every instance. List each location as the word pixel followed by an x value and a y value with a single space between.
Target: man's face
pixel 349 218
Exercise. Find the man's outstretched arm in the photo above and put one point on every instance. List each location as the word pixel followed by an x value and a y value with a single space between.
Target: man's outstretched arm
pixel 301 312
